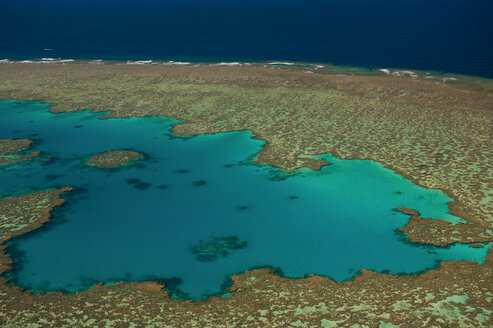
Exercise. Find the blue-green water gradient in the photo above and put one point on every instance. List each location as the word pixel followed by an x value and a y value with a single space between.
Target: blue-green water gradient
pixel 334 222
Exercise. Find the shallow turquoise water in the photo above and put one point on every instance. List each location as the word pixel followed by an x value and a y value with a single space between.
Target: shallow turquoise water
pixel 341 220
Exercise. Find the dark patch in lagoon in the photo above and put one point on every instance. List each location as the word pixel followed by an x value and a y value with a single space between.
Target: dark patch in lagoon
pixel 50 160
pixel 88 282
pixel 277 178
pixel 77 126
pixel 133 181
pixel 76 195
pixel 162 187
pixel 293 197
pixel 51 177
pixel 142 185
pixel 180 138
pixel 182 171
pixel 199 183
pixel 210 250
pixel 243 207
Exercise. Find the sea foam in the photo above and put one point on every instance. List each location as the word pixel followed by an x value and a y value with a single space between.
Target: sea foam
pixel 281 63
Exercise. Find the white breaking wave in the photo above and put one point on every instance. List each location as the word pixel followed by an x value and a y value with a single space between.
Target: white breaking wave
pixel 281 63
pixel 139 62
pixel 411 74
pixel 39 61
pixel 54 60
pixel 228 64
pixel 171 62
pixel 385 70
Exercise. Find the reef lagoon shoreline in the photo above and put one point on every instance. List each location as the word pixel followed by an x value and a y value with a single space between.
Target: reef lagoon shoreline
pixel 454 208
pixel 275 171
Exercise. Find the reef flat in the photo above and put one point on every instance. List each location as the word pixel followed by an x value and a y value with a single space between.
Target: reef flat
pixel 13 151
pixel 437 133
pixel 113 159
pixel 456 294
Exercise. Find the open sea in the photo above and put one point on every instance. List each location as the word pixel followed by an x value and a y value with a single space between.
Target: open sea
pixel 143 222
pixel 452 36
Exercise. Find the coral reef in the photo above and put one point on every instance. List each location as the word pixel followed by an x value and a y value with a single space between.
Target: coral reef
pixel 438 134
pixel 13 151
pixel 211 249
pixel 113 158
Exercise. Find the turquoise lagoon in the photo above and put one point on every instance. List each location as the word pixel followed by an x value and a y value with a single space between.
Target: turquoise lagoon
pixel 333 222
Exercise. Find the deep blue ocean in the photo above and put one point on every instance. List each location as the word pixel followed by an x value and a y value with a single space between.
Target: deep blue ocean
pixel 443 35
pixel 333 222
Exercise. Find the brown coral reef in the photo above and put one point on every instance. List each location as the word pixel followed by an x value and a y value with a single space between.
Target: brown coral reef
pixel 13 151
pixel 113 159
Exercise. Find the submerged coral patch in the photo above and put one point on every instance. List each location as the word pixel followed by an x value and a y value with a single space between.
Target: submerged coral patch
pixel 199 183
pixel 142 185
pixel 210 250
